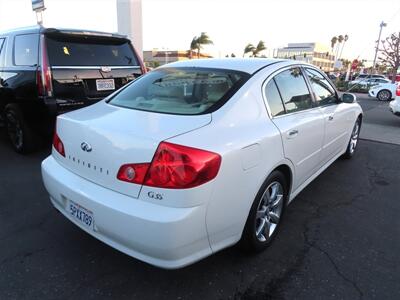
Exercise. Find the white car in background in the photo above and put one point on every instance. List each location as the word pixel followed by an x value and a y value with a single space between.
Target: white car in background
pixel 196 156
pixel 395 104
pixel 383 91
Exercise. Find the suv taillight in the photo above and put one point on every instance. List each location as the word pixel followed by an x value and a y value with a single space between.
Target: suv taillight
pixel 398 91
pixel 57 143
pixel 43 74
pixel 173 167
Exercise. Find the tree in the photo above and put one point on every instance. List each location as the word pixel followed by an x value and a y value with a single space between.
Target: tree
pixel 390 52
pixel 233 55
pixel 333 42
pixel 198 43
pixel 193 46
pixel 248 49
pixel 345 39
pixel 202 40
pixel 260 47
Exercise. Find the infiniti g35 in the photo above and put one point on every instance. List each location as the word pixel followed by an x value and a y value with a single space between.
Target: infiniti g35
pixel 199 155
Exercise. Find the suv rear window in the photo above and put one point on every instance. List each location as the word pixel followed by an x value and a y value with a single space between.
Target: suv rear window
pixel 183 91
pixel 85 51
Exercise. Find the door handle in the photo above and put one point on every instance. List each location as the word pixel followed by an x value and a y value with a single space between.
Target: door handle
pixel 293 133
pixel 330 118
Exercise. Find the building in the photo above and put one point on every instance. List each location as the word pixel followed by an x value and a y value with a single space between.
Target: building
pixel 155 57
pixel 129 18
pixel 317 54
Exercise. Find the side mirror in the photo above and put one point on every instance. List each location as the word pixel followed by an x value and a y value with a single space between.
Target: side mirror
pixel 349 98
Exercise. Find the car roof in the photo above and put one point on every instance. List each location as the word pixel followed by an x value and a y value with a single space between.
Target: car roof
pixel 248 65
pixel 38 28
pixel 29 29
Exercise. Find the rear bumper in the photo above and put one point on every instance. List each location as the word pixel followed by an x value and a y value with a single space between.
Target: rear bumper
pixel 166 237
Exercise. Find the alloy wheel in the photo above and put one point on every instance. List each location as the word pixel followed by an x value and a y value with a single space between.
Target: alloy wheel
pixel 384 95
pixel 354 137
pixel 269 211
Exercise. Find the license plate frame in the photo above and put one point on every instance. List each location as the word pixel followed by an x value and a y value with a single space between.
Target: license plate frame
pixel 105 84
pixel 80 214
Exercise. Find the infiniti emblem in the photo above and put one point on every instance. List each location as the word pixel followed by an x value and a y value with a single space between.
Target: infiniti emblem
pixel 86 147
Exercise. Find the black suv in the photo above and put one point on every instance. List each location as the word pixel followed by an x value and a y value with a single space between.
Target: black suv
pixel 46 71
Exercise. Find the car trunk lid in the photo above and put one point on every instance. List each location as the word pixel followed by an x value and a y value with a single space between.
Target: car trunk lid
pixel 99 141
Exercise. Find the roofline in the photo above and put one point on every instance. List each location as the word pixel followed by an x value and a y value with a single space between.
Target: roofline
pixel 41 29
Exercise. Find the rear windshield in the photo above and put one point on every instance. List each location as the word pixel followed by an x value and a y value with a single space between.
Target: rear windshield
pixel 64 51
pixel 184 91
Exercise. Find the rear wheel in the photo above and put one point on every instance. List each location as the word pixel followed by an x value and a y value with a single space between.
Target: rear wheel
pixel 21 136
pixel 384 95
pixel 266 213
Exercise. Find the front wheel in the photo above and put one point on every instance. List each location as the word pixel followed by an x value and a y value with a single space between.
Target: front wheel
pixel 351 147
pixel 266 213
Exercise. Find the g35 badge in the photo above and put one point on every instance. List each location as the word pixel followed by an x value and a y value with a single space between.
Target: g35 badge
pixel 156 196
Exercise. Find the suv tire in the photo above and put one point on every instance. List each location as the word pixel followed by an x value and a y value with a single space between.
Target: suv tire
pixel 22 138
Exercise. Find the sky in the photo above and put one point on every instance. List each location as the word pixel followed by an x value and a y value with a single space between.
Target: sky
pixel 231 24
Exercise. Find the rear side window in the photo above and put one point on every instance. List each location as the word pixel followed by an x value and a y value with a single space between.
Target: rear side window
pixel 74 51
pixel 274 99
pixel 293 89
pixel 26 50
pixel 184 91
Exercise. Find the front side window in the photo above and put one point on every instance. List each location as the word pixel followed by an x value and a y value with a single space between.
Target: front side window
pixel 274 99
pixel 184 91
pixel 26 50
pixel 324 92
pixel 293 89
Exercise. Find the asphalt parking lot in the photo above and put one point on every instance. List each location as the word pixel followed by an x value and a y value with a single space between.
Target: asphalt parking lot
pixel 340 240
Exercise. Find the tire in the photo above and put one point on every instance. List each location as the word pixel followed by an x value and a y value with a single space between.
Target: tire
pixel 352 145
pixel 22 138
pixel 384 95
pixel 255 237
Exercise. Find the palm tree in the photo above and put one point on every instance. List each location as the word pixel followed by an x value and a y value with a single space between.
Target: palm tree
pixel 203 39
pixel 340 39
pixel 260 47
pixel 193 46
pixel 345 39
pixel 333 42
pixel 249 49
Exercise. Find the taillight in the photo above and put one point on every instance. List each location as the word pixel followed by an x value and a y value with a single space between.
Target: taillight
pixel 173 167
pixel 57 143
pixel 43 75
pixel 398 91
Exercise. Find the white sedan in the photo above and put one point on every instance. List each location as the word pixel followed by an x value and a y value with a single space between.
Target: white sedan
pixel 395 104
pixel 196 156
pixel 383 91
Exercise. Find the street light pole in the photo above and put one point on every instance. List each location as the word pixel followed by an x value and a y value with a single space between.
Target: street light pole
pixel 383 24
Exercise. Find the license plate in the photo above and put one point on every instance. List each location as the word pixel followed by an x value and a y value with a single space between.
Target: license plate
pixel 105 84
pixel 81 214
